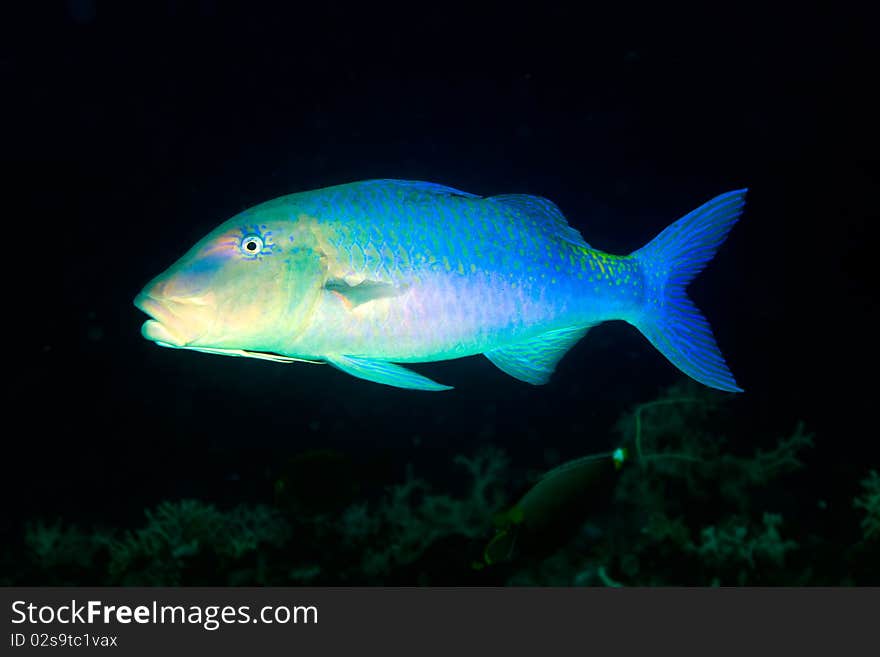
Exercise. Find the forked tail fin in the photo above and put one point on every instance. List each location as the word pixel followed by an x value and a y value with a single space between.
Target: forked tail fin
pixel 670 261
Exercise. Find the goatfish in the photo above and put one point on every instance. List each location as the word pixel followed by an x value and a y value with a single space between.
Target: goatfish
pixel 368 275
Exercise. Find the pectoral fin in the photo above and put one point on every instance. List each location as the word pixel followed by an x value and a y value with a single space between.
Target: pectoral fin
pixel 383 372
pixel 366 290
pixel 533 361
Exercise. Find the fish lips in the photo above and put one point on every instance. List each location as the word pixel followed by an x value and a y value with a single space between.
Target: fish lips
pixel 165 327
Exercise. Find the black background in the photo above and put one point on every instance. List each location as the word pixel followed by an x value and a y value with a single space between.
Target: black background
pixel 130 130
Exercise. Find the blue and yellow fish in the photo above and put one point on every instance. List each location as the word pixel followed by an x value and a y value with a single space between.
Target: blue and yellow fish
pixel 371 274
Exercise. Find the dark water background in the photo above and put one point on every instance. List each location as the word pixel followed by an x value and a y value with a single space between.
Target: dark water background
pixel 131 132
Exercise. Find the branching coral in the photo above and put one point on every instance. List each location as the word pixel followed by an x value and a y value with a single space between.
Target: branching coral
pixel 686 511
pixel 176 532
pixel 742 547
pixel 870 502
pixel 412 518
pixel 56 545
pixel 766 465
pixel 189 541
pixel 166 550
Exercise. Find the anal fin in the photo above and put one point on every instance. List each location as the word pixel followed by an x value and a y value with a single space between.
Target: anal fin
pixel 533 361
pixel 383 372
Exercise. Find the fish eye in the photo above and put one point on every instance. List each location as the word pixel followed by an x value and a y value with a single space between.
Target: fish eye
pixel 251 245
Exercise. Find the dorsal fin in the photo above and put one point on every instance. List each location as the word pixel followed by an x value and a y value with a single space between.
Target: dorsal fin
pixel 419 186
pixel 544 211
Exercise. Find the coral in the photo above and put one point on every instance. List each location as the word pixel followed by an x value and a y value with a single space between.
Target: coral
pixel 765 466
pixel 688 509
pixel 177 539
pixel 304 574
pixel 740 547
pixel 248 528
pixel 870 502
pixel 411 518
pixel 686 512
pixel 671 439
pixel 56 546
pixel 177 532
pixel 158 551
pixel 189 541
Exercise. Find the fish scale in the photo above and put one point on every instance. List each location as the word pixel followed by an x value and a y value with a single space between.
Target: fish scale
pixel 466 304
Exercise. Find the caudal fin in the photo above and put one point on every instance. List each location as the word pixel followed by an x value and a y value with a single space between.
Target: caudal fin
pixel 670 261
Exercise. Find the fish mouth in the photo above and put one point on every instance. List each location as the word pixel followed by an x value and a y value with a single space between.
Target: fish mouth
pixel 160 328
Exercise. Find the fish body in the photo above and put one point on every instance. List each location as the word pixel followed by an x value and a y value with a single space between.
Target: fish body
pixel 373 273
pixel 554 508
pixel 461 275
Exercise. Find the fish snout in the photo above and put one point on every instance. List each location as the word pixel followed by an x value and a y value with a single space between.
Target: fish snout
pixel 175 321
pixel 180 284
